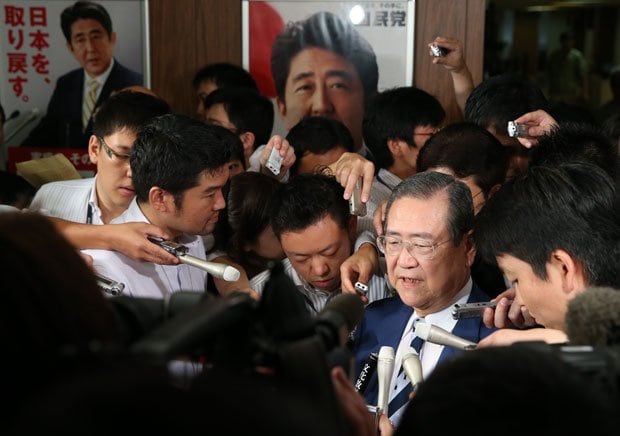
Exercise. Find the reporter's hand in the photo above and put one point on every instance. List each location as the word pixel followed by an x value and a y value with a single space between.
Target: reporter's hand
pixel 349 168
pixel 505 337
pixel 359 267
pixel 358 419
pixel 539 123
pixel 287 152
pixel 88 259
pixel 508 314
pixel 454 60
pixel 131 240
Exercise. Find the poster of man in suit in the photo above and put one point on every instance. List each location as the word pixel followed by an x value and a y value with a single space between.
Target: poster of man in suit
pixel 51 52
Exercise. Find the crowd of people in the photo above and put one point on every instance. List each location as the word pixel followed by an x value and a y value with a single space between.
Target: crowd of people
pixel 457 214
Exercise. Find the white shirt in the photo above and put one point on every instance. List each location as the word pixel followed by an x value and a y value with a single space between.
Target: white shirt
pixel 145 279
pixel 101 79
pixel 316 299
pixel 429 352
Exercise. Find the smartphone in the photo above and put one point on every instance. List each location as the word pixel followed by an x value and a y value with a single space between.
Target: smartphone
pixel 516 130
pixel 471 310
pixel 356 207
pixel 274 162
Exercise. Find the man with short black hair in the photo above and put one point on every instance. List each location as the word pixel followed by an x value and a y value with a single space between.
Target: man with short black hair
pixel 87 27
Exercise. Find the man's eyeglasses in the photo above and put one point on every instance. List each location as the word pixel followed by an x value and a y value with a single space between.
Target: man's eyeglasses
pixel 114 155
pixel 418 248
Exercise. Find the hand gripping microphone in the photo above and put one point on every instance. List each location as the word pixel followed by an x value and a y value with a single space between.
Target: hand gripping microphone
pixel 412 367
pixel 385 368
pixel 593 317
pixel 219 270
pixel 437 335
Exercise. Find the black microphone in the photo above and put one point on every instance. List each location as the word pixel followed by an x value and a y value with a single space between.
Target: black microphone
pixel 32 115
pixel 194 327
pixel 339 317
pixel 138 316
pixel 13 115
pixel 593 317
pixel 368 370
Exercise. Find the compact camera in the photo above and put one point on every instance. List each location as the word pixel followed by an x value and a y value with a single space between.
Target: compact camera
pixel 437 51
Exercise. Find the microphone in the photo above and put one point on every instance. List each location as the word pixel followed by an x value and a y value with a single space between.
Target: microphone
pixel 192 328
pixel 34 113
pixel 385 368
pixel 368 370
pixel 13 115
pixel 437 335
pixel 413 367
pixel 138 316
pixel 219 270
pixel 339 317
pixel 593 317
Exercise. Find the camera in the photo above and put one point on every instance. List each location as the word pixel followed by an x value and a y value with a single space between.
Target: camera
pixel 356 207
pixel 437 51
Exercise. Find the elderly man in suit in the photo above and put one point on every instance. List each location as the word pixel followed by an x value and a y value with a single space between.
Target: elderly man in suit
pixel 429 250
pixel 87 28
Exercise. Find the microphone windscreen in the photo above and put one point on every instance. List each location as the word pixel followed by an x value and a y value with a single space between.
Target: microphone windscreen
pixel 349 306
pixel 593 317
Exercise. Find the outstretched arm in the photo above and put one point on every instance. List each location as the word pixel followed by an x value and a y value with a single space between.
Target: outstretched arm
pixel 127 238
pixel 454 61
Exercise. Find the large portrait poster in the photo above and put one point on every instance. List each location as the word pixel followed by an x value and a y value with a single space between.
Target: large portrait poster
pixel 33 54
pixel 388 26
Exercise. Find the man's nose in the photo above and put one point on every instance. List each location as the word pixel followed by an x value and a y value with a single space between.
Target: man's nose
pixel 321 103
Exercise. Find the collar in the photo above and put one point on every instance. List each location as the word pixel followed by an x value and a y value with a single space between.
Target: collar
pixel 100 78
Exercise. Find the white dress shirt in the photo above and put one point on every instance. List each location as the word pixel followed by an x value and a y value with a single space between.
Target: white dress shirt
pixel 145 279
pixel 316 299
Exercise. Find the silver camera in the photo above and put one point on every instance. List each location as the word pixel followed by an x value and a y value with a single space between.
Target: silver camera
pixel 356 207
pixel 274 163
pixel 437 51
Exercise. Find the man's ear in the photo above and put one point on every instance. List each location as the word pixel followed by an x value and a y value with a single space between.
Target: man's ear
pixel 570 271
pixel 470 247
pixel 494 189
pixel 394 147
pixel 94 148
pixel 352 230
pixel 161 200
pixel 247 139
pixel 281 107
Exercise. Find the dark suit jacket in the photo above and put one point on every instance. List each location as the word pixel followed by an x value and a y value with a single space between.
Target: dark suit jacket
pixel 62 124
pixel 384 323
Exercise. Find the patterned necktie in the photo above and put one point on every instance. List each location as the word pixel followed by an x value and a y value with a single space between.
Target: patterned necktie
pixel 402 387
pixel 89 102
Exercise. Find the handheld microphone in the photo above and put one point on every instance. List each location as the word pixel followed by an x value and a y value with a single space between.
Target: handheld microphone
pixel 593 317
pixel 385 368
pixel 437 335
pixel 34 113
pixel 13 115
pixel 219 270
pixel 368 370
pixel 339 317
pixel 413 367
